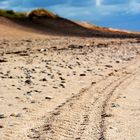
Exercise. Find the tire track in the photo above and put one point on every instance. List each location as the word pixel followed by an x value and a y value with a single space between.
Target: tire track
pixel 82 116
pixel 105 103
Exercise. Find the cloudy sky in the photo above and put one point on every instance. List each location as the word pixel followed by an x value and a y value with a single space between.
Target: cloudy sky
pixel 123 14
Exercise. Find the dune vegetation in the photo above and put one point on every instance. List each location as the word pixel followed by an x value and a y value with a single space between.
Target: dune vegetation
pixel 42 13
pixel 12 14
pixel 37 13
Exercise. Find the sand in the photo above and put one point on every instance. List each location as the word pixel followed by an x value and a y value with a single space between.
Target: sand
pixel 66 88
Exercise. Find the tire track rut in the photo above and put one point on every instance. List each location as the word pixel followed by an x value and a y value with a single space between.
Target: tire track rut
pixel 82 116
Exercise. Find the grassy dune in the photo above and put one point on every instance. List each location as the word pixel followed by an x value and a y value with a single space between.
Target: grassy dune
pixel 37 13
pixel 12 14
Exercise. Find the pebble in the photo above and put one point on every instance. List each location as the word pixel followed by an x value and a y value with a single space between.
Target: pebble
pixel 42 50
pixel 25 108
pixel 113 128
pixel 62 78
pixel 28 81
pixel 1 126
pixel 83 74
pixel 106 115
pixel 29 93
pixel 10 77
pixel 33 101
pixel 16 115
pixel 69 67
pixel 56 113
pixel 59 73
pixel 73 46
pixel 110 127
pixel 17 97
pixel 78 138
pixel 10 105
pixel 62 85
pixel 109 66
pixel 111 74
pixel 115 105
pixel 37 91
pixel 117 61
pixel 44 79
pixel 2 60
pixel 89 69
pixel 2 115
pixel 63 82
pixel 28 40
pixel 48 97
pixel 55 87
pixel 93 83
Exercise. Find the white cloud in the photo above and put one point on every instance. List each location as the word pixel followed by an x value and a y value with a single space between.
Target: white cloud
pixel 134 7
pixel 4 4
pixel 98 2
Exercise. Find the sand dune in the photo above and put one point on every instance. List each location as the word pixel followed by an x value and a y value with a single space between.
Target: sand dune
pixel 58 26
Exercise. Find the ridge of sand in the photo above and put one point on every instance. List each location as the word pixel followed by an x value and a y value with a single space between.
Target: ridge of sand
pixel 57 27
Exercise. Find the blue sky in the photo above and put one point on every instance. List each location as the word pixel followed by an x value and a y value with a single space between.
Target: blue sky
pixel 123 14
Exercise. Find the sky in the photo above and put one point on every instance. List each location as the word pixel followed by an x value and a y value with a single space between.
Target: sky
pixel 121 14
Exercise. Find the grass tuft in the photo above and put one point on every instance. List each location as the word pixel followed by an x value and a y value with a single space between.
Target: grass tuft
pixel 12 14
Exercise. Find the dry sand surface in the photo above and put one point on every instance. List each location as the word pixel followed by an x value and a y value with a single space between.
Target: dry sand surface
pixel 68 88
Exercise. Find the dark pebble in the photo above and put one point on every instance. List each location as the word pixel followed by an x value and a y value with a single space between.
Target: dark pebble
pixel 83 74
